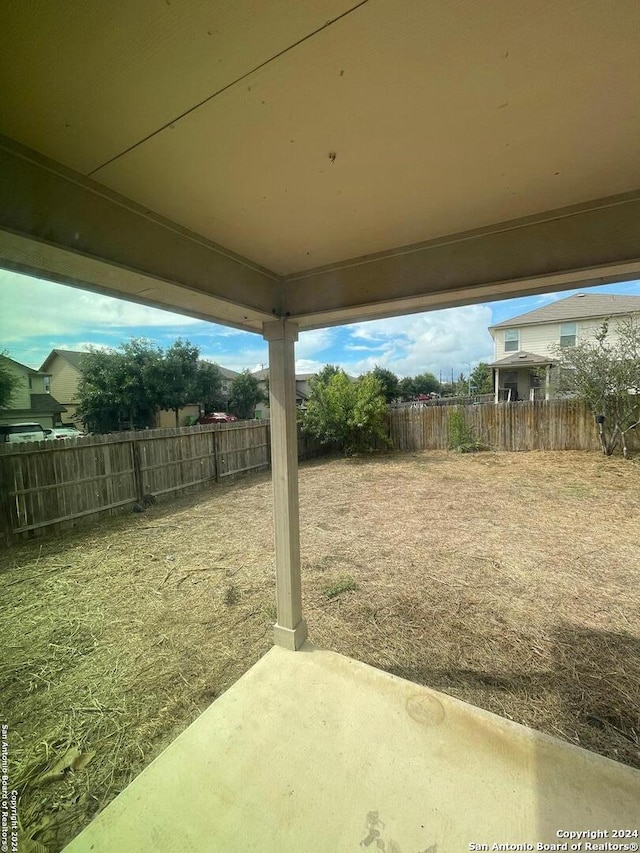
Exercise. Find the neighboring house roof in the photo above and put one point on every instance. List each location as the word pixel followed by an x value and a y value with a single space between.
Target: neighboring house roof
pixel 521 359
pixel 41 404
pixel 262 375
pixel 228 374
pixel 46 403
pixel 580 306
pixel 72 356
pixel 29 370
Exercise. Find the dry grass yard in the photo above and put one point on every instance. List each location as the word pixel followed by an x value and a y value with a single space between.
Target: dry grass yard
pixel 508 580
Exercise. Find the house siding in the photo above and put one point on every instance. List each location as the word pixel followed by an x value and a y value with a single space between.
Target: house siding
pixel 64 381
pixel 541 338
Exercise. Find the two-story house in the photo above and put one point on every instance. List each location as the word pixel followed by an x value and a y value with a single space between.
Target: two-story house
pixel 524 354
pixel 303 390
pixel 65 369
pixel 31 400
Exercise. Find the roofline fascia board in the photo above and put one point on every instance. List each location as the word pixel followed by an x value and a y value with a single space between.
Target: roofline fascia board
pixel 578 318
pixel 587 244
pixel 60 225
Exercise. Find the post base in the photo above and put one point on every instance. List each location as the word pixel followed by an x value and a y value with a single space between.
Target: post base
pixel 290 638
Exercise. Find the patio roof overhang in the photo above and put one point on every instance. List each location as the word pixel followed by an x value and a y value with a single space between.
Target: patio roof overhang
pixel 324 161
pixel 285 166
pixel 523 359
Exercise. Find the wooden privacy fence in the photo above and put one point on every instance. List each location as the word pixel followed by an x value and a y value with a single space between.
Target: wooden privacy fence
pixel 544 425
pixel 51 484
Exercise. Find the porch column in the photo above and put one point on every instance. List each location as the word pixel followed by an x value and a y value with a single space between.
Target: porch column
pixel 547 382
pixel 496 386
pixel 290 629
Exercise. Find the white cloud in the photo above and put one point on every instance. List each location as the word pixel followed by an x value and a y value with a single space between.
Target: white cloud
pixel 308 365
pixel 33 307
pixel 435 341
pixel 253 358
pixel 314 341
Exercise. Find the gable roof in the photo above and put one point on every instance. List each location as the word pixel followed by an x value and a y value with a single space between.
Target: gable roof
pixel 227 373
pixel 29 370
pixel 577 307
pixel 522 359
pixel 72 356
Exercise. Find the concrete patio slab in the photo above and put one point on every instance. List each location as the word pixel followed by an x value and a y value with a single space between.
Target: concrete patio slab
pixel 311 751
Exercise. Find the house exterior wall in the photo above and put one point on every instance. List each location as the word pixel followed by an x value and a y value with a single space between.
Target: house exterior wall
pixel 167 420
pixel 30 383
pixel 20 399
pixel 540 338
pixel 20 417
pixel 64 381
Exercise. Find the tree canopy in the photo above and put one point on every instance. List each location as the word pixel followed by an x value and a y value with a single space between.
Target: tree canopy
pixel 605 373
pixel 349 414
pixel 388 382
pixel 125 387
pixel 423 383
pixel 9 381
pixel 245 395
pixel 481 379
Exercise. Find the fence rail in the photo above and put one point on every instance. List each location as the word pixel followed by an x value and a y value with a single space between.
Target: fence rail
pixel 543 425
pixel 50 485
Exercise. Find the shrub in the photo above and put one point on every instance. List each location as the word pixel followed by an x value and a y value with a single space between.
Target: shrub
pixel 460 434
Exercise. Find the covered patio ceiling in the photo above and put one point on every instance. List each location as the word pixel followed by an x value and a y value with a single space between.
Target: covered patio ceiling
pixel 321 160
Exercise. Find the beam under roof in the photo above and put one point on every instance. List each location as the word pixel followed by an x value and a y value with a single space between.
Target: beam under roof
pixel 57 224
pixel 587 244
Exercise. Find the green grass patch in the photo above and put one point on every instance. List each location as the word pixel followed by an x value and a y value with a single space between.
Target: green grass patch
pixel 337 587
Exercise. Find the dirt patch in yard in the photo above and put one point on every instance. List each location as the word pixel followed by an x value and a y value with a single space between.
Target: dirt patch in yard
pixel 507 580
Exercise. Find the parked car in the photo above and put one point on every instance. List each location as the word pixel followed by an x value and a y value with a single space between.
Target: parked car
pixel 62 433
pixel 217 418
pixel 21 432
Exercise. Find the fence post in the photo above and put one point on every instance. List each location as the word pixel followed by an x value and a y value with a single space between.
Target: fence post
pixel 6 528
pixel 137 468
pixel 216 453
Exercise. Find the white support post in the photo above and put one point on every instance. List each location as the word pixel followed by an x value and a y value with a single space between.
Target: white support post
pixel 290 630
pixel 496 386
pixel 547 382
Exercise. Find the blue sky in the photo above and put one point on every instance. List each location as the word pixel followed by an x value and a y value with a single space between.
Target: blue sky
pixel 37 316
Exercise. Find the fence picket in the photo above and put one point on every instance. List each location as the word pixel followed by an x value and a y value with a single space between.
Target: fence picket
pixel 48 485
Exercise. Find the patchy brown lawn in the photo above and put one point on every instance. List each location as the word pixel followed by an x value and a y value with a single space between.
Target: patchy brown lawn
pixel 508 580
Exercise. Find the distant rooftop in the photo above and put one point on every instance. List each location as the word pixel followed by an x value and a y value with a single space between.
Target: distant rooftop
pixel 262 375
pixel 72 356
pixel 576 307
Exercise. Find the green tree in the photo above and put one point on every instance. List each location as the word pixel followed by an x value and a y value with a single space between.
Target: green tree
pixel 9 381
pixel 174 377
pixel 325 374
pixel 481 379
pixel 245 395
pixel 117 386
pixel 388 382
pixel 406 388
pixel 209 386
pixel 425 383
pixel 462 386
pixel 605 373
pixel 348 414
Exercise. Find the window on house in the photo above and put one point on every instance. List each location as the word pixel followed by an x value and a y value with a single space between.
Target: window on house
pixel 30 383
pixel 511 340
pixel 567 334
pixel 47 384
